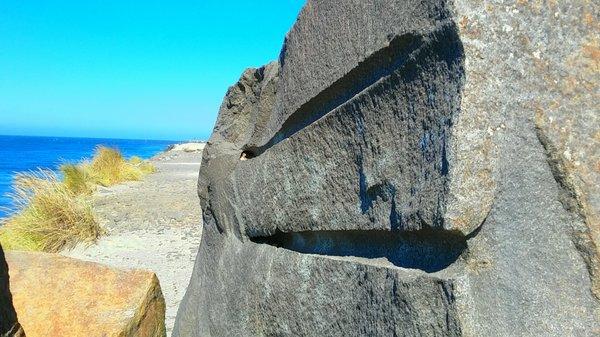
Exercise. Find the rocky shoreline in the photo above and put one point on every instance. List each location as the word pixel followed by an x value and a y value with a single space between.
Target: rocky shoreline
pixel 404 168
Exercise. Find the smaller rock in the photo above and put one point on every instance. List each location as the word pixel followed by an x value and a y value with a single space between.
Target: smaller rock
pixel 60 296
pixel 187 147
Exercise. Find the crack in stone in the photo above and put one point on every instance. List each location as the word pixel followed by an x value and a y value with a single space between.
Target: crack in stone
pixel 427 250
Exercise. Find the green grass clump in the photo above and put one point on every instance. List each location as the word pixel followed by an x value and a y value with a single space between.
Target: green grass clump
pixel 144 166
pixel 77 179
pixel 51 215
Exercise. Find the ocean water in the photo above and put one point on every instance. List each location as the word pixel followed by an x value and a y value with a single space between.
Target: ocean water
pixel 24 153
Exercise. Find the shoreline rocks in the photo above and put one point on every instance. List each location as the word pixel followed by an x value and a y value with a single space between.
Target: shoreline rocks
pixel 185 147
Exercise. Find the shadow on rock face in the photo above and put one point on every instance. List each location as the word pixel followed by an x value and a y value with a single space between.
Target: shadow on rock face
pixel 8 317
pixel 427 250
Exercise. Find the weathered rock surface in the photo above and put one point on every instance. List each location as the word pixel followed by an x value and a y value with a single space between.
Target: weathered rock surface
pixel 9 325
pixel 407 168
pixel 77 298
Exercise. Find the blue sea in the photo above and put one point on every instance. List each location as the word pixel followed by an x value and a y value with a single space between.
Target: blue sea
pixel 24 153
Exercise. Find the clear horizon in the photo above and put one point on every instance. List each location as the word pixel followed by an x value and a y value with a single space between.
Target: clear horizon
pixel 106 138
pixel 135 70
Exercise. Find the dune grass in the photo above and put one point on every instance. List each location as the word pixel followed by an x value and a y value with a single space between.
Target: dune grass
pixel 77 179
pixel 50 214
pixel 108 167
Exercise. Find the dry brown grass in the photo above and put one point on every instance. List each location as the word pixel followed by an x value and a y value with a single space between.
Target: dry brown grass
pixel 48 216
pixel 108 167
pixel 51 215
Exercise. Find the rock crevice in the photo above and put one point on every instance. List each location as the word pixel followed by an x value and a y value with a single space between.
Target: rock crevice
pixel 426 250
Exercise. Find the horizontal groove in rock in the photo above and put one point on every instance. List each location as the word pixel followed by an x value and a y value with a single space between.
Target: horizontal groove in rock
pixel 426 249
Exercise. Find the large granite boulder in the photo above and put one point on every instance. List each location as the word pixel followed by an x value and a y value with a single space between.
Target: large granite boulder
pixel 407 168
pixel 57 296
pixel 9 325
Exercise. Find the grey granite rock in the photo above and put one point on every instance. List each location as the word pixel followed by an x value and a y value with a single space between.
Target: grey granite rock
pixel 9 326
pixel 407 168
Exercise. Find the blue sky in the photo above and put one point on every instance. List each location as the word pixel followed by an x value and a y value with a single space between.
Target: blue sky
pixel 129 69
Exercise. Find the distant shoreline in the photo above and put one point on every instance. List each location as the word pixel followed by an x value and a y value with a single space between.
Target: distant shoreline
pixel 101 138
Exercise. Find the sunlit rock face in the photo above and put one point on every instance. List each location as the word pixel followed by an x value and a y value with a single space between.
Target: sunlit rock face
pixel 402 171
pixel 57 296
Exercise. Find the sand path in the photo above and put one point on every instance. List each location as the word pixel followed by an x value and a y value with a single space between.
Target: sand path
pixel 154 224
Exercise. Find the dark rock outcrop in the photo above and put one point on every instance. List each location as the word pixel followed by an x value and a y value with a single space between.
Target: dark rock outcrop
pixel 9 326
pixel 407 168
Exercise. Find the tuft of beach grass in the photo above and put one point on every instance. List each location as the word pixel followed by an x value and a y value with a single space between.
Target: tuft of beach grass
pixel 50 214
pixel 108 167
